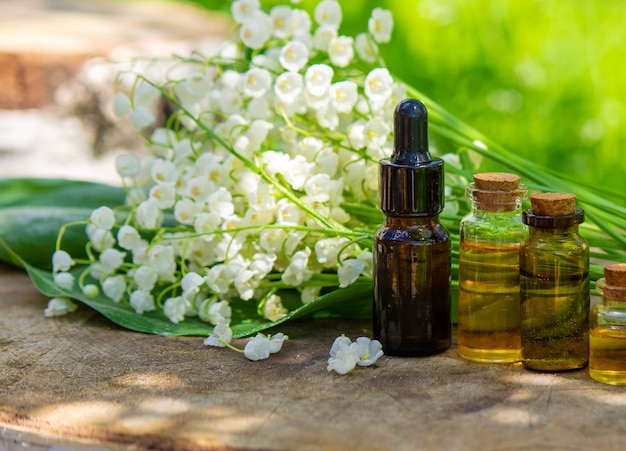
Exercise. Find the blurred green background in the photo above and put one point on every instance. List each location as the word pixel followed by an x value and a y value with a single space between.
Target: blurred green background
pixel 545 79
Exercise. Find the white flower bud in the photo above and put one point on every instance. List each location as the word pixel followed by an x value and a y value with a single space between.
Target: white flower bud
pixel 103 218
pixel 328 12
pixel 349 271
pixel 127 165
pixel 221 334
pixel 112 259
pixel 91 291
pixel 114 287
pixel 121 104
pixel 142 118
pixel 64 280
pixel 341 51
pixel 256 30
pixel 59 307
pixel 257 348
pixel 294 56
pixel 145 277
pixel 380 25
pixel 61 261
pixel 256 82
pixel 175 308
pixel 273 308
pixel 142 301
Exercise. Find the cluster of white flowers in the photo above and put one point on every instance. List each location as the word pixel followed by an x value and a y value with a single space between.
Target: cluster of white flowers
pixel 345 355
pixel 245 189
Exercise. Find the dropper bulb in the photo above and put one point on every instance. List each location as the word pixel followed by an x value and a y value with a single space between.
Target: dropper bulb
pixel 410 133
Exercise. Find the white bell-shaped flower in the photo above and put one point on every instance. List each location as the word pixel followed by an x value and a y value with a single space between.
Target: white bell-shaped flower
pixel 257 348
pixel 142 301
pixel 61 261
pixel 145 277
pixel 127 165
pixel 273 308
pixel 288 86
pixel 114 287
pixel 341 50
pixel 59 307
pixel 103 218
pixel 256 30
pixel 221 334
pixel 64 280
pixel 243 10
pixel 175 308
pixel 378 84
pixel 380 25
pixel 328 12
pixel 349 271
pixel 293 56
pixel 256 82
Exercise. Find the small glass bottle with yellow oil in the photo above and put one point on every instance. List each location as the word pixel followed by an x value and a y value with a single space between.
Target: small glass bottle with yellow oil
pixel 554 285
pixel 607 328
pixel 489 301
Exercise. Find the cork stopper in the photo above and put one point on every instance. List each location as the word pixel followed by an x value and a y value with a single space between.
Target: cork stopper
pixel 615 275
pixel 496 191
pixel 496 181
pixel 553 204
pixel 613 285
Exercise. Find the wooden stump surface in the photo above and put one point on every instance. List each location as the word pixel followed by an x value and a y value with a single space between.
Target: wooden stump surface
pixel 43 43
pixel 80 382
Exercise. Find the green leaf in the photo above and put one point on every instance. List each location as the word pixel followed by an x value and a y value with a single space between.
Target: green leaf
pixel 119 313
pixel 32 232
pixel 245 320
pixel 354 301
pixel 61 192
pixel 32 211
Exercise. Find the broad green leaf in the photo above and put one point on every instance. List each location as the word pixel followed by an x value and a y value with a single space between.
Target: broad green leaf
pixel 120 313
pixel 245 320
pixel 61 192
pixel 31 232
pixel 354 301
pixel 32 211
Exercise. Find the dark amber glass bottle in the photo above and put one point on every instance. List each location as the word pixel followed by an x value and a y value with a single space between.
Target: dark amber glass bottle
pixel 554 285
pixel 412 248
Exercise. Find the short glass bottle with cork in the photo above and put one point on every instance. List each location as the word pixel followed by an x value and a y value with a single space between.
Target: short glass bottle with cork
pixel 554 285
pixel 489 290
pixel 607 328
pixel 412 250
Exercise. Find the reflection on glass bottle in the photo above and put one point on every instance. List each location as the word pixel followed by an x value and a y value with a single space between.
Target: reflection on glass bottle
pixel 411 250
pixel 554 285
pixel 489 291
pixel 607 328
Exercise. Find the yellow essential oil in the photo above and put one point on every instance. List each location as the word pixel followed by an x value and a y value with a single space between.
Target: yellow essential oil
pixel 607 333
pixel 554 285
pixel 489 290
pixel 489 304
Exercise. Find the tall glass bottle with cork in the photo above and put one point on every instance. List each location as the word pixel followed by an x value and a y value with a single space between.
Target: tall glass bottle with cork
pixel 411 250
pixel 554 285
pixel 607 328
pixel 489 299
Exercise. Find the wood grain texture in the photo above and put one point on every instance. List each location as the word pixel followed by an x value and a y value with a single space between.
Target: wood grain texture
pixel 80 381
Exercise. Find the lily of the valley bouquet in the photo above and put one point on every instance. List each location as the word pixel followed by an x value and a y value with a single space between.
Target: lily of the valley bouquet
pixel 259 198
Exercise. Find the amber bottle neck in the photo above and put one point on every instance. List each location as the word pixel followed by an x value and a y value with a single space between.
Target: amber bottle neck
pixel 410 221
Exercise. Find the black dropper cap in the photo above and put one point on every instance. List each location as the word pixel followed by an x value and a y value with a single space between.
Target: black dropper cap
pixel 411 182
